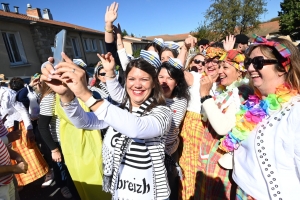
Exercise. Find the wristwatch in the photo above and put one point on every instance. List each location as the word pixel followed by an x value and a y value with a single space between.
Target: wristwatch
pixel 205 98
pixel 93 99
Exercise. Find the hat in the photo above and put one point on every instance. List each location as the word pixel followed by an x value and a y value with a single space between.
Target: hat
pixel 241 38
pixel 171 45
pixel 234 58
pixel 80 63
pixel 203 42
pixel 175 62
pixel 151 57
pixel 287 37
pixel 3 79
pixel 159 41
pixel 212 52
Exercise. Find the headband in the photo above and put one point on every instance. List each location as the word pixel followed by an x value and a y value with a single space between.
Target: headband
pixel 175 63
pixel 280 48
pixel 171 45
pixel 159 41
pixel 151 57
pixel 234 58
pixel 212 52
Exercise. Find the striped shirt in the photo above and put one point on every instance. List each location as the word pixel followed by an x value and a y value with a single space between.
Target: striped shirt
pixel 4 160
pixel 47 108
pixel 178 107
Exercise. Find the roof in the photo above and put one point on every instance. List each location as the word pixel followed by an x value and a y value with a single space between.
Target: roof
pixel 266 28
pixel 175 38
pixel 24 18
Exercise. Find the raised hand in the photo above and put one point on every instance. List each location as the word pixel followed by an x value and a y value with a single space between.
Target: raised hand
pixel 228 43
pixel 73 77
pixel 111 13
pixel 190 42
pixel 51 79
pixel 108 61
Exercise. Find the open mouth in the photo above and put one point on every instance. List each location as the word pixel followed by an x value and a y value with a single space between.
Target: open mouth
pixel 138 92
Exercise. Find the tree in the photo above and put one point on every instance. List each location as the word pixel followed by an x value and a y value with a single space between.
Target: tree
pixel 203 31
pixel 124 33
pixel 132 35
pixel 234 16
pixel 290 17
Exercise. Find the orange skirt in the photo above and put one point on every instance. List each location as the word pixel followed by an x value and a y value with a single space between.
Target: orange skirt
pixel 37 166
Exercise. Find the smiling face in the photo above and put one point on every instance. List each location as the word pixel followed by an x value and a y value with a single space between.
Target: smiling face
pixel 212 67
pixel 195 62
pixel 228 74
pixel 165 55
pixel 167 82
pixel 139 85
pixel 268 78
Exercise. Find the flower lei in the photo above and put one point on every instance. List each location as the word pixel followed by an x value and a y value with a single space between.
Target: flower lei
pixel 253 112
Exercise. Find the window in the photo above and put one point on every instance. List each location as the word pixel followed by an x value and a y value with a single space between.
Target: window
pixel 14 48
pixel 76 48
pixel 102 48
pixel 87 44
pixel 94 45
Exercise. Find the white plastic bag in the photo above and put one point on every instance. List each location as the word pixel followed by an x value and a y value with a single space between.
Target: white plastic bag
pixel 34 107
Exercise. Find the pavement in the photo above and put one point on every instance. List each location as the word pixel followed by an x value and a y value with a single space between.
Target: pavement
pixel 33 191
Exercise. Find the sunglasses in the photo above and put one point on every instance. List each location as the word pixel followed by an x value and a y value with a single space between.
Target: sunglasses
pixel 196 61
pixel 258 62
pixel 102 74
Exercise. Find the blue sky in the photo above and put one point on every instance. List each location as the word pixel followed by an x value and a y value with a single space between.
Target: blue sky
pixel 140 17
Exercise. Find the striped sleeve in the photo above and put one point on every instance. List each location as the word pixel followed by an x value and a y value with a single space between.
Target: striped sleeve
pixel 47 105
pixel 4 160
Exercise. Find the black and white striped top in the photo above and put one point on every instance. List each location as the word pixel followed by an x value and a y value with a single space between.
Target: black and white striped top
pixel 47 108
pixel 178 107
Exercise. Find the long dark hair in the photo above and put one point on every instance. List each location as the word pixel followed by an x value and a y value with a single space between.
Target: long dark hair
pixel 174 51
pixel 155 46
pixel 157 93
pixel 181 90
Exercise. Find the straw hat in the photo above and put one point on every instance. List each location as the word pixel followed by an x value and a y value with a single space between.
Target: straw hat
pixel 3 79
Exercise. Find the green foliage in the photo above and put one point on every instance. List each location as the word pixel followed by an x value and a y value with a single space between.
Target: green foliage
pixel 124 33
pixel 274 19
pixel 203 31
pixel 290 17
pixel 136 53
pixel 132 35
pixel 234 16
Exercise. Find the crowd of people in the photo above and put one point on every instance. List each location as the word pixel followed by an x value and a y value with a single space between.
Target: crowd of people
pixel 205 120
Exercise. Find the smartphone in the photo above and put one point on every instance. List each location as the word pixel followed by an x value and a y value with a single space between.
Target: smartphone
pixel 59 46
pixel 16 125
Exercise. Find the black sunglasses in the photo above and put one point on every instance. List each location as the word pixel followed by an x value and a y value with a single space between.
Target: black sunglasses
pixel 102 74
pixel 199 61
pixel 258 62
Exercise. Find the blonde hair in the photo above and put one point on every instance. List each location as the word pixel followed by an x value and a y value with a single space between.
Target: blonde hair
pixel 190 60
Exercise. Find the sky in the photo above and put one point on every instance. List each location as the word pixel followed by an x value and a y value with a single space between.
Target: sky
pixel 140 17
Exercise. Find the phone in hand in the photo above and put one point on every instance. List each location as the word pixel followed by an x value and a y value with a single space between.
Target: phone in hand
pixel 59 46
pixel 16 125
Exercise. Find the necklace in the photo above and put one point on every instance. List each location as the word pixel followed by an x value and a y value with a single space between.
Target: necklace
pixel 253 112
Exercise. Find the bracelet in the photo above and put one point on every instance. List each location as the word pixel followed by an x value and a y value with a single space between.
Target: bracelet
pixel 205 98
pixel 67 103
pixel 108 30
pixel 119 44
pixel 111 76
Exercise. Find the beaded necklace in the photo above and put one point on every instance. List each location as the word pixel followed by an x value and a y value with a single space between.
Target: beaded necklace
pixel 253 112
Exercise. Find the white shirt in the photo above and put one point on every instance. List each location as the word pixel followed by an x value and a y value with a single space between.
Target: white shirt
pixel 267 163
